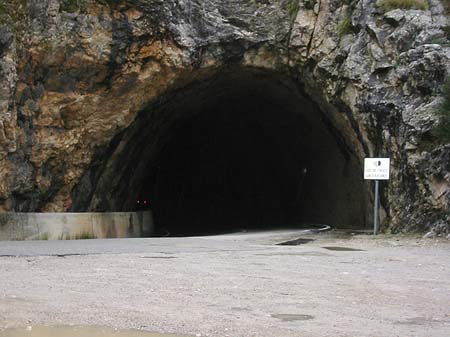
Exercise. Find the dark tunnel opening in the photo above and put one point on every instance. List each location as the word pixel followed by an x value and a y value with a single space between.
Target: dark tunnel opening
pixel 242 149
pixel 222 170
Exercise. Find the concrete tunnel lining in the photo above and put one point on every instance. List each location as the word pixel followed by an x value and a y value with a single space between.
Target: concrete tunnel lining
pixel 228 151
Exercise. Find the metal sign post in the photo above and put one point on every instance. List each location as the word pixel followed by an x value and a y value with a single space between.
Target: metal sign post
pixel 376 169
pixel 375 209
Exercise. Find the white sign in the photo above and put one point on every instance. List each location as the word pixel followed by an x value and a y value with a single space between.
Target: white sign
pixel 376 168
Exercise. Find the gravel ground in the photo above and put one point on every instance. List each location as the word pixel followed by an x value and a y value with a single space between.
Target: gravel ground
pixel 232 285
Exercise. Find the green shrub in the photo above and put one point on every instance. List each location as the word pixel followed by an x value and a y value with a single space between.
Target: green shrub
pixel 13 13
pixel 388 5
pixel 71 6
pixel 345 27
pixel 442 131
pixel 309 4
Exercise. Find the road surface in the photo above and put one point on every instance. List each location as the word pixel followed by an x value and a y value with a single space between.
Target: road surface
pixel 240 284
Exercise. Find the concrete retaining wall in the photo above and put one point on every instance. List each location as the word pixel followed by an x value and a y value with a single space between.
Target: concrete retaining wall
pixel 70 226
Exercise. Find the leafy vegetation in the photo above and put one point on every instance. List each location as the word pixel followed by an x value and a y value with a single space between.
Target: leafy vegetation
pixel 72 6
pixel 309 4
pixel 13 13
pixel 388 5
pixel 442 131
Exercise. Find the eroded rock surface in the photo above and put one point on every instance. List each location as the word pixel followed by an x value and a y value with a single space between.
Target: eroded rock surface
pixel 76 75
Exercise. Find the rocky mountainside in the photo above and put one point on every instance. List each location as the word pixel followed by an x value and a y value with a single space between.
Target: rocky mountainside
pixel 76 75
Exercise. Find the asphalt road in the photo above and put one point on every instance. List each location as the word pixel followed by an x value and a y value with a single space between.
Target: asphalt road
pixel 169 245
pixel 232 285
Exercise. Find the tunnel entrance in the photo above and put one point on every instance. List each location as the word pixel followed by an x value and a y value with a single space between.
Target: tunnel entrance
pixel 224 169
pixel 240 149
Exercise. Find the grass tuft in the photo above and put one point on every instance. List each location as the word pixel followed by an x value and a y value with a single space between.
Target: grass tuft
pixel 84 236
pixel 388 5
pixel 345 27
pixel 293 8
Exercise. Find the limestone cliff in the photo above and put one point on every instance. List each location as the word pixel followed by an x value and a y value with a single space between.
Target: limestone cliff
pixel 76 75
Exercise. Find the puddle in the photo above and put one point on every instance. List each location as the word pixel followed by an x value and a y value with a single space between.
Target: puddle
pixel 292 317
pixel 344 249
pixel 77 331
pixel 296 242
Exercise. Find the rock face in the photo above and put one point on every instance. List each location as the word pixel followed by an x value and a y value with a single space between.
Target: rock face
pixel 81 80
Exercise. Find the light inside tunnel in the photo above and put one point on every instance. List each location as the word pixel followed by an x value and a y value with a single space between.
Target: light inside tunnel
pixel 240 149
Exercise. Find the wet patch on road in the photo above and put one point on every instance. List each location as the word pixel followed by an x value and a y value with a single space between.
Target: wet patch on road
pixel 344 249
pixel 68 255
pixel 296 242
pixel 77 331
pixel 292 317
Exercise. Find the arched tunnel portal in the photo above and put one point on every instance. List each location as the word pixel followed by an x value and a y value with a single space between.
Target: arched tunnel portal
pixel 242 148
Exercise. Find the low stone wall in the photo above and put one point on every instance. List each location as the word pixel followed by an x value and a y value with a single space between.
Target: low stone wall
pixel 71 226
